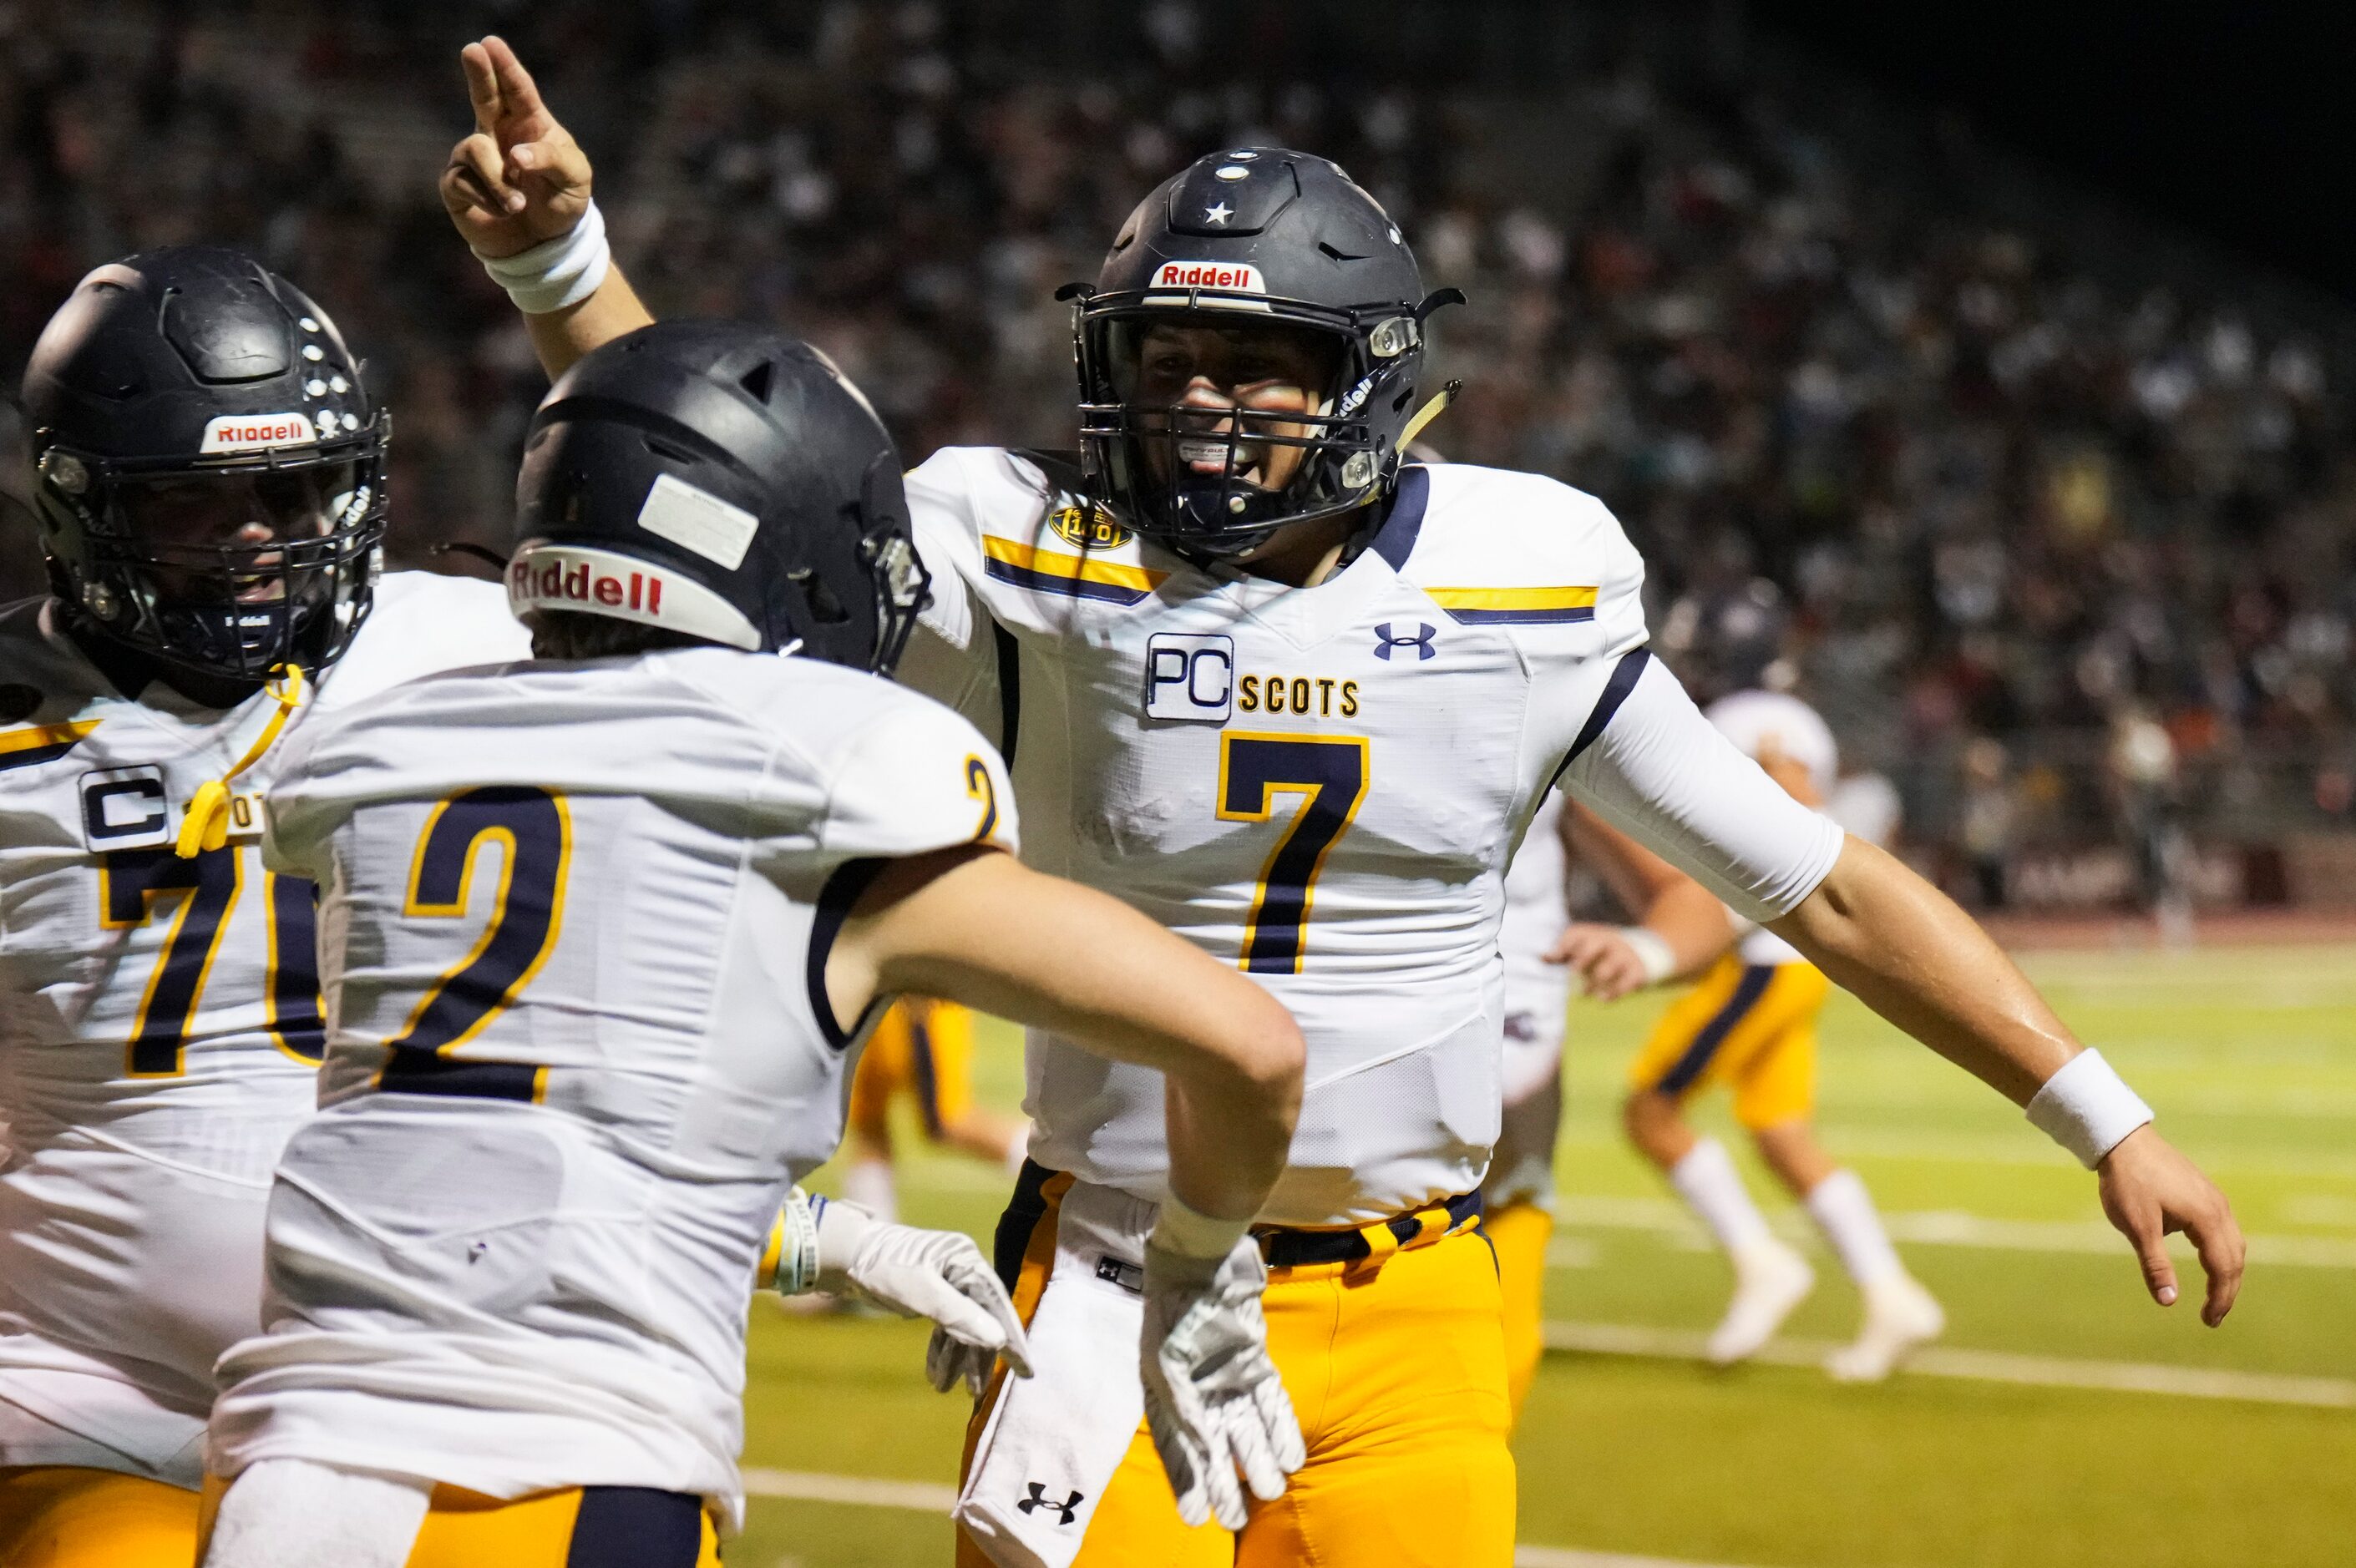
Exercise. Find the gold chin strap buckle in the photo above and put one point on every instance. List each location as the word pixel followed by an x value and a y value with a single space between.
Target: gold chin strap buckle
pixel 206 826
pixel 1428 413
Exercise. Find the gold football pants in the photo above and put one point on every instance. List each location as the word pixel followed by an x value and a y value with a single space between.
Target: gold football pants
pixel 1395 1366
pixel 64 1516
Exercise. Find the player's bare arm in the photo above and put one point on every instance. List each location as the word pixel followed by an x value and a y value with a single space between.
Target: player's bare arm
pixel 520 181
pixel 1680 926
pixel 1911 954
pixel 1662 771
pixel 974 926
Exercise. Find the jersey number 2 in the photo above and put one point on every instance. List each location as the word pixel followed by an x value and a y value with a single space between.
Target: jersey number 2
pixel 535 833
pixel 1329 772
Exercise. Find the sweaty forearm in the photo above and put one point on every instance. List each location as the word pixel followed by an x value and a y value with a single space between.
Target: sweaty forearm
pixel 1230 1135
pixel 562 337
pixel 1906 950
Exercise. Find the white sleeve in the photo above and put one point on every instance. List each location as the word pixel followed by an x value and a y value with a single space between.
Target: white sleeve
pixel 294 822
pixel 1654 768
pixel 915 778
pixel 952 655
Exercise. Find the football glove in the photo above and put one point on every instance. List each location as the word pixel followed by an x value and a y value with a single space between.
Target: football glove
pixel 939 1275
pixel 1213 1402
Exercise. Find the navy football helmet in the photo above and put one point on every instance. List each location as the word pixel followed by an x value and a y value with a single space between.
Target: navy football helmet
pixel 209 470
pixel 1282 256
pixel 724 483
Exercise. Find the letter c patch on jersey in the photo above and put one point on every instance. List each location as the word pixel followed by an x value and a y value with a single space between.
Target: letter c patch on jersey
pixel 1190 676
pixel 125 808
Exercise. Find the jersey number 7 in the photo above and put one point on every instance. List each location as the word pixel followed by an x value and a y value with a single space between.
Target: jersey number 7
pixel 1329 772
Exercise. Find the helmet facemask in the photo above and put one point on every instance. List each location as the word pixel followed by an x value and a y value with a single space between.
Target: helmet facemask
pixel 228 568
pixel 903 587
pixel 1209 428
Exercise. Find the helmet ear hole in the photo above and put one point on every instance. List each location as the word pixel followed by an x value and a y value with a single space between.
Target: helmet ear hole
pixel 824 607
pixel 758 381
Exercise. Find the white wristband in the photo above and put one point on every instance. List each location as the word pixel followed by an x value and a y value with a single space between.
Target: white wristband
pixel 797 1266
pixel 1652 950
pixel 555 273
pixel 2087 1108
pixel 1196 1235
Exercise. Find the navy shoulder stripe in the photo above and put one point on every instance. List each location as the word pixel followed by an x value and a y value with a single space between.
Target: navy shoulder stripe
pixel 1624 676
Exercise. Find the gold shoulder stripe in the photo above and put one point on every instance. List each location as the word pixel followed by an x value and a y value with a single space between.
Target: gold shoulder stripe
pixel 1528 606
pixel 1074 576
pixel 38 743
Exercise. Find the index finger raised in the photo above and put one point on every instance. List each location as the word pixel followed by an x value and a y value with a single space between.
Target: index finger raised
pixel 517 91
pixel 482 86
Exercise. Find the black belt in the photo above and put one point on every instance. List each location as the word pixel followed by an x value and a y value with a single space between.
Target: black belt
pixel 1298 1249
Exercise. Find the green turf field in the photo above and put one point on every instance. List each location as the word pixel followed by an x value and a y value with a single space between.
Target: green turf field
pixel 2250 1056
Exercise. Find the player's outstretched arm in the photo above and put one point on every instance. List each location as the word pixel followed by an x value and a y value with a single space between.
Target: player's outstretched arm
pixel 1660 771
pixel 518 190
pixel 974 925
pixel 1905 950
pixel 1680 925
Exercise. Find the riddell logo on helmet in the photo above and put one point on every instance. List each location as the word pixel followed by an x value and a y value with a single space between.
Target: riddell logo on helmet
pixel 560 583
pixel 248 432
pixel 1239 276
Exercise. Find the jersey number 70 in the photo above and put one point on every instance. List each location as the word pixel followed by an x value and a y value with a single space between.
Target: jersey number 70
pixel 204 891
pixel 1329 772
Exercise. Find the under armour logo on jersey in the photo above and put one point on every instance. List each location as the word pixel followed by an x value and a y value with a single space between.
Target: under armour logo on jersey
pixel 1387 641
pixel 1068 1507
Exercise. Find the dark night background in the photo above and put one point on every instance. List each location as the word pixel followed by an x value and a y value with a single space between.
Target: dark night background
pixel 2234 121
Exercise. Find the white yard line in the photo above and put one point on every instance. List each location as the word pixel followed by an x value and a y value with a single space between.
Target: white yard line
pixel 2026 1153
pixel 1561 1557
pixel 1950 1228
pixel 861 1491
pixel 924 1497
pixel 1984 1366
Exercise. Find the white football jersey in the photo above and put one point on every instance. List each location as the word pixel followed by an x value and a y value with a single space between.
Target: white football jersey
pixel 1759 721
pixel 576 918
pixel 159 1027
pixel 1322 785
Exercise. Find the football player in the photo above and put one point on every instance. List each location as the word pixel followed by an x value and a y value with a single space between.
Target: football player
pixel 209 487
pixel 507 1261
pixel 1297 701
pixel 1750 1023
pixel 1680 928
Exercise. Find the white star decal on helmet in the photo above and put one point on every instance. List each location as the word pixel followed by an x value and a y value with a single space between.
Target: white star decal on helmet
pixel 1218 214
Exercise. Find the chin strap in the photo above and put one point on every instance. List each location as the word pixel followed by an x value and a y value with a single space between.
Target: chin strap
pixel 206 826
pixel 1428 413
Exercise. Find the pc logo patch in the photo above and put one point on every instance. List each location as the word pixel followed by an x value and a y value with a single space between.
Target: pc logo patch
pixel 1190 676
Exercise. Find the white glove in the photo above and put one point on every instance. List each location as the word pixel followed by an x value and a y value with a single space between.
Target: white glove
pixel 1213 1402
pixel 939 1275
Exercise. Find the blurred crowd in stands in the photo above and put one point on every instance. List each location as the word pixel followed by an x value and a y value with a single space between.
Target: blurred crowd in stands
pixel 2015 522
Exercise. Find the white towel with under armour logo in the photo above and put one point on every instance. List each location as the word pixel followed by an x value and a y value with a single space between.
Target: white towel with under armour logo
pixel 1053 1440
